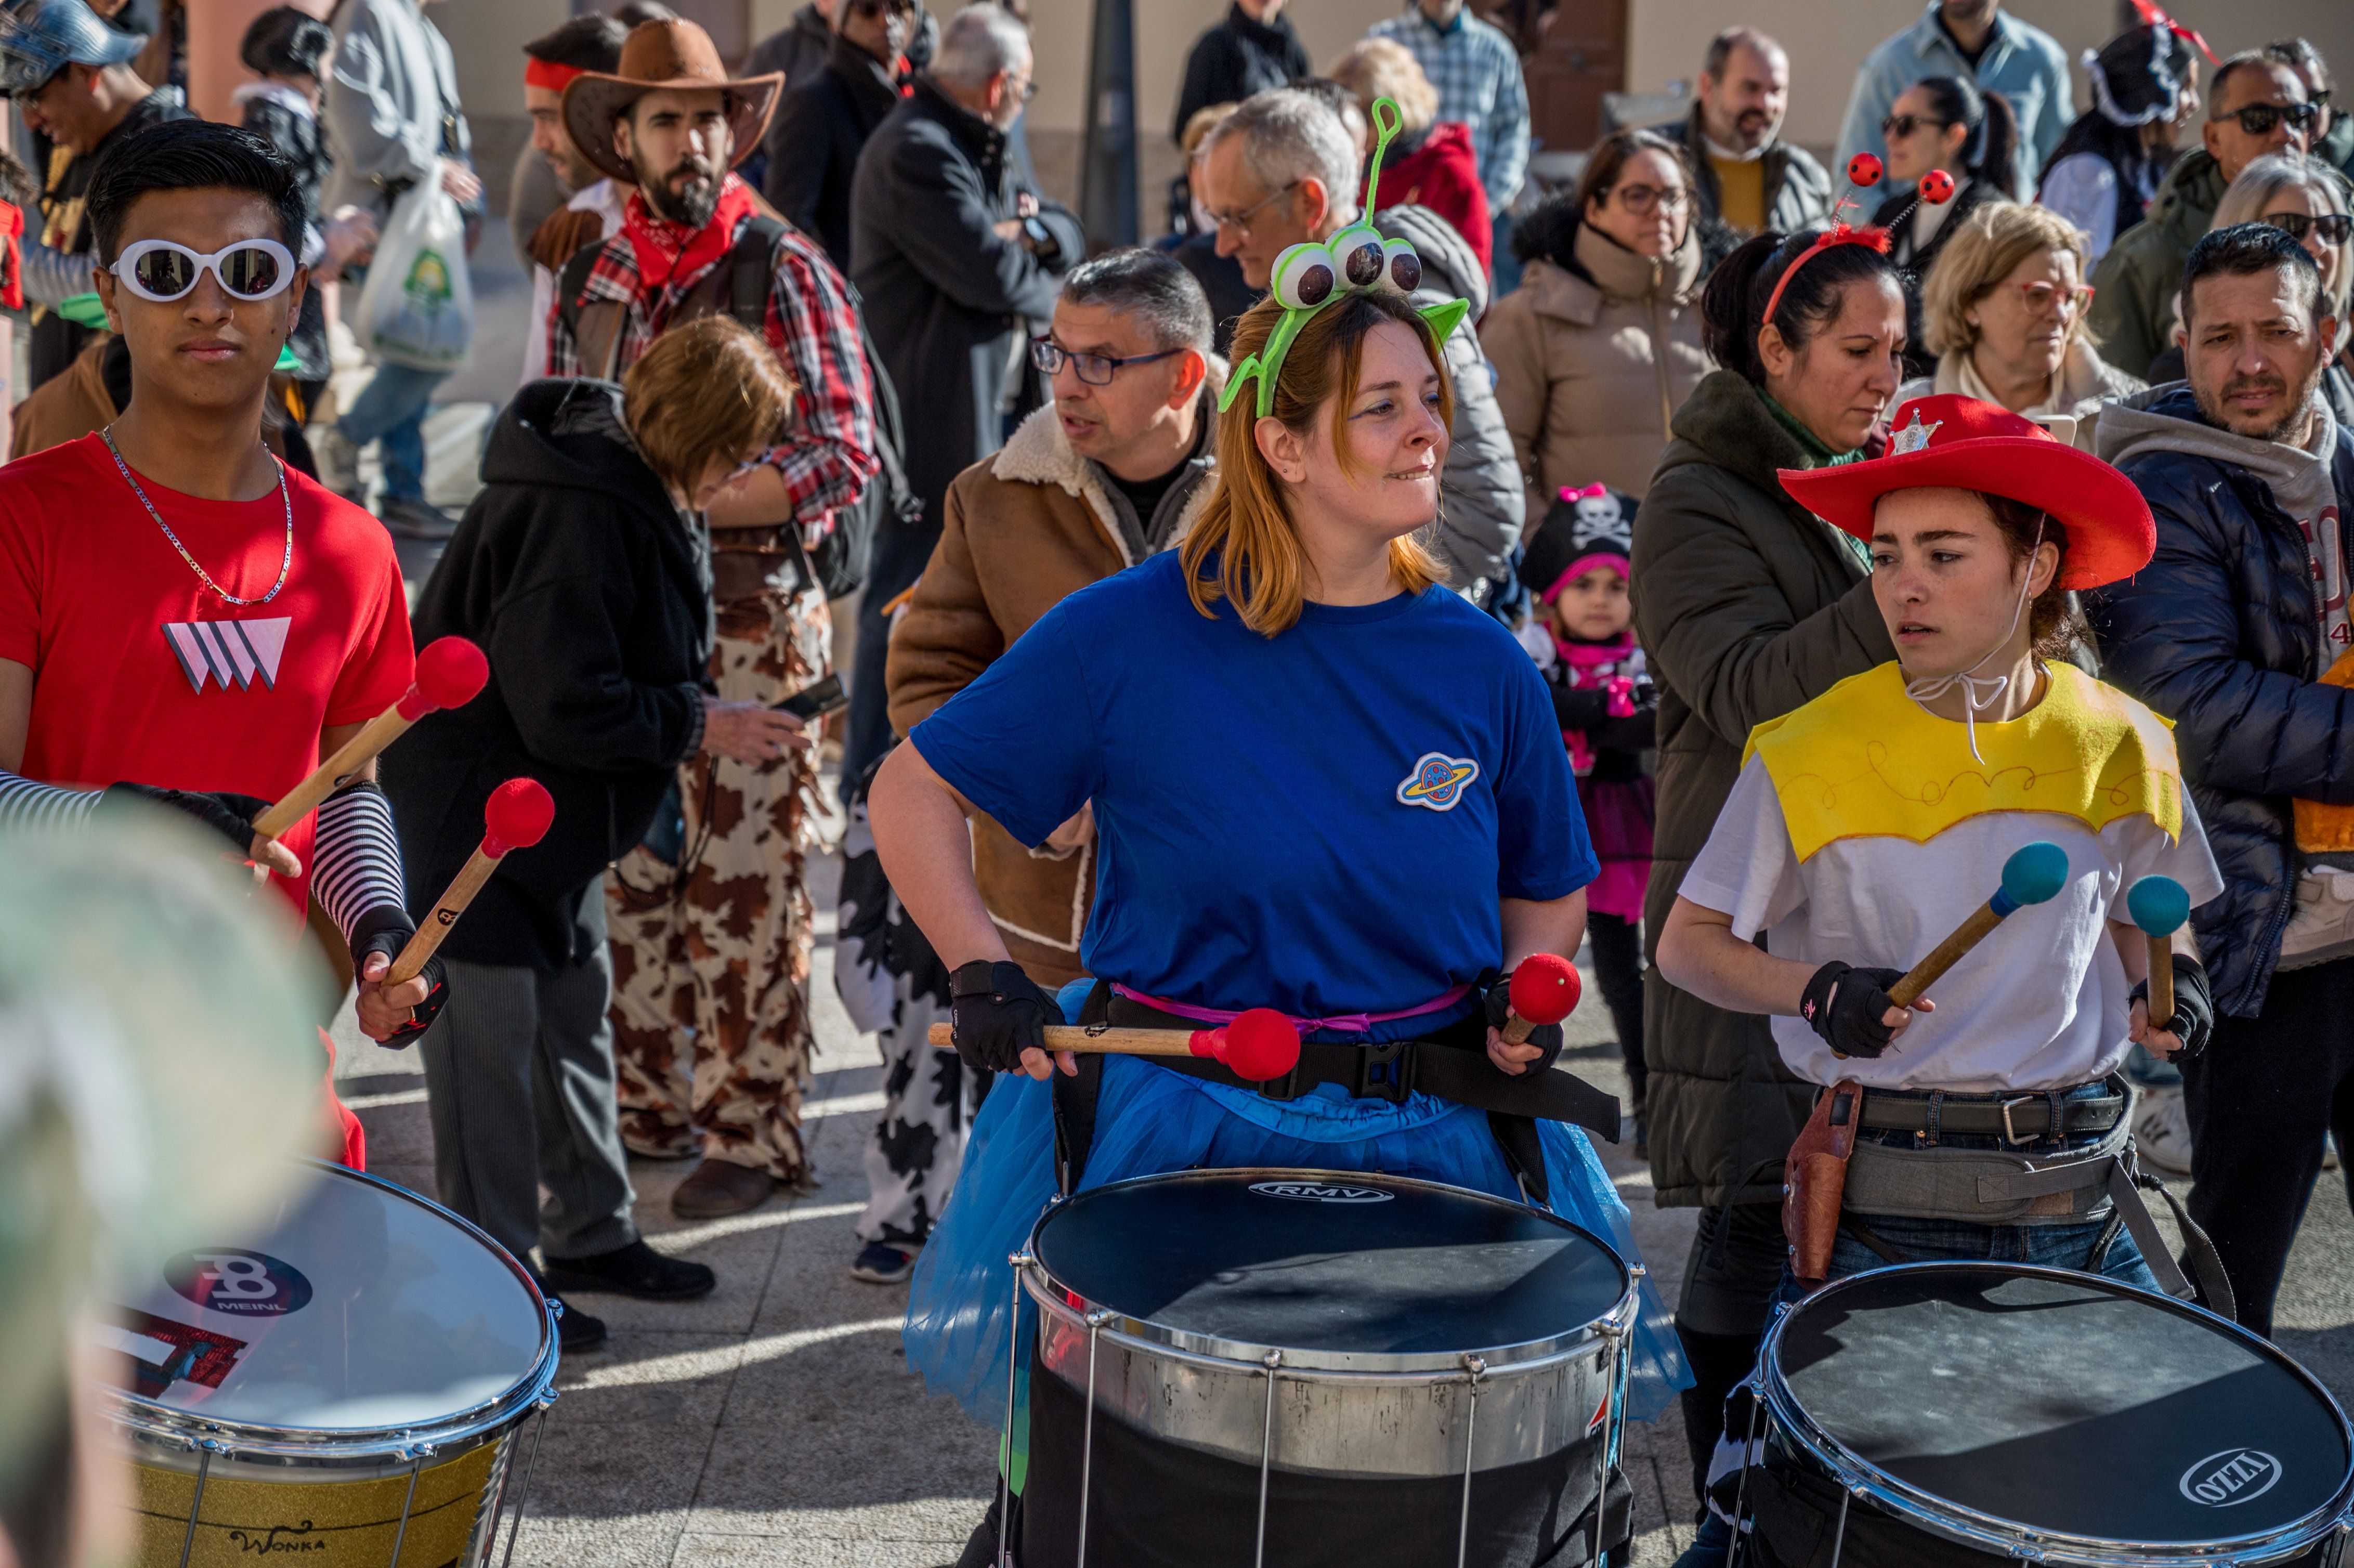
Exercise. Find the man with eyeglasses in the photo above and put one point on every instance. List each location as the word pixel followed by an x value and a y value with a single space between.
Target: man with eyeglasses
pixel 1283 170
pixel 2332 140
pixel 2255 105
pixel 70 75
pixel 185 622
pixel 955 255
pixel 1114 470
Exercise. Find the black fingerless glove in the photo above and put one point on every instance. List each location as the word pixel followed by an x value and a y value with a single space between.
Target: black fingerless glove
pixel 1547 1037
pixel 999 1014
pixel 386 929
pixel 232 816
pixel 1845 1004
pixel 2194 1005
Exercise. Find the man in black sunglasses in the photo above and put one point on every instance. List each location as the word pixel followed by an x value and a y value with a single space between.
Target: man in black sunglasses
pixel 2332 141
pixel 2255 105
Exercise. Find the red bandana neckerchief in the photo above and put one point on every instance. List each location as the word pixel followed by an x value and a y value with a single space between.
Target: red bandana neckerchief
pixel 666 251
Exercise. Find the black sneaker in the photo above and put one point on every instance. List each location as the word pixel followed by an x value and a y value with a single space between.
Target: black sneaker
pixel 883 1264
pixel 636 1270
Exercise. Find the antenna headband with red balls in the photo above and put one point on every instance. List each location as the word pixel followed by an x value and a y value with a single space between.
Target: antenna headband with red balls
pixel 1863 171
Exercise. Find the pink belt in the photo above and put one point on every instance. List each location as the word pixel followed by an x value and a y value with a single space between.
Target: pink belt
pixel 1343 1023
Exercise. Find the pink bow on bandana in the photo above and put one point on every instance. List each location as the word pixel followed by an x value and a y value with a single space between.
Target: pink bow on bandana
pixel 1593 492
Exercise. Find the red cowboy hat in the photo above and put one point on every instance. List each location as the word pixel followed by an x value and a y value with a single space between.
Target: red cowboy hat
pixel 1954 442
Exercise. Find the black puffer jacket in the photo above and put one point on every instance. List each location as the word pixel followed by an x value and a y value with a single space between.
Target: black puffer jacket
pixel 593 598
pixel 2221 633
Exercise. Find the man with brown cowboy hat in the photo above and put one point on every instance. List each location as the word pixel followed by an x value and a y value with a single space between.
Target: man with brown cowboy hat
pixel 710 921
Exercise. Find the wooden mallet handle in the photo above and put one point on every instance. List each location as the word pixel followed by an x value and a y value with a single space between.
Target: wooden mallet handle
pixel 1257 1045
pixel 2159 905
pixel 2032 875
pixel 517 817
pixel 450 672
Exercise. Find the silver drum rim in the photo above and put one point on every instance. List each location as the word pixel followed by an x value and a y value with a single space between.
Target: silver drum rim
pixel 1958 1522
pixel 185 1430
pixel 1144 1334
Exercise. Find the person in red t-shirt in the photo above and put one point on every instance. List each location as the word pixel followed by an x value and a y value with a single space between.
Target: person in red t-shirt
pixel 183 620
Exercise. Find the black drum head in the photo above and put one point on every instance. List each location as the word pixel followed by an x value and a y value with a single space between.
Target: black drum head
pixel 1316 1261
pixel 2063 1403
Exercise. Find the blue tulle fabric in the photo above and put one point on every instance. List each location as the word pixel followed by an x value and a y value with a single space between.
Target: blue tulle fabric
pixel 1150 1120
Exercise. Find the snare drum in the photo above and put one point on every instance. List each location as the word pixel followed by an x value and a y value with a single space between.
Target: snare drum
pixel 1975 1413
pixel 1300 1367
pixel 347 1385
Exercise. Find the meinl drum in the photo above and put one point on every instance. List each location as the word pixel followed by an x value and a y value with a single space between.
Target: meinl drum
pixel 1939 1413
pixel 1290 1369
pixel 347 1385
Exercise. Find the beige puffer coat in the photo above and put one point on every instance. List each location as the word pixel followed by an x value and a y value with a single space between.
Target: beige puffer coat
pixel 1590 369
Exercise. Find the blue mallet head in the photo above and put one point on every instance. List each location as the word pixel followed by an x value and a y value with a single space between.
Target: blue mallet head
pixel 2158 904
pixel 2032 875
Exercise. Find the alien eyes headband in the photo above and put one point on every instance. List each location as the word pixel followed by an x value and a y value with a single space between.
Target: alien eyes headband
pixel 1357 261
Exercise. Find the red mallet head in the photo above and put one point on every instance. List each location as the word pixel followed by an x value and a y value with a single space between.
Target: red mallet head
pixel 1545 987
pixel 1257 1045
pixel 516 816
pixel 1937 187
pixel 1863 169
pixel 449 672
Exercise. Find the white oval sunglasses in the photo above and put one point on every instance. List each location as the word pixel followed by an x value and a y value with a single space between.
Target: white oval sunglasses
pixel 164 271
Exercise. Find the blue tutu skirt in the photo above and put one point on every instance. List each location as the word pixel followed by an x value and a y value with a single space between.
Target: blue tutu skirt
pixel 1150 1121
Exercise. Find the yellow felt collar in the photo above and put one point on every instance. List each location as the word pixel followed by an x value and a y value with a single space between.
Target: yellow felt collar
pixel 1865 760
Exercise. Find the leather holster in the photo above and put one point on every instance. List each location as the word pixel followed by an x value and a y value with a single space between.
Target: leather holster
pixel 1814 1180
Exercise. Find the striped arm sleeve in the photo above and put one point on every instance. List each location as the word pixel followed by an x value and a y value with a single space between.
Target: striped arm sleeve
pixel 43 808
pixel 356 861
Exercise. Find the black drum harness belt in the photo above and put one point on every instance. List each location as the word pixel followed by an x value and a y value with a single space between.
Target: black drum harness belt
pixel 1999 1187
pixel 1453 1067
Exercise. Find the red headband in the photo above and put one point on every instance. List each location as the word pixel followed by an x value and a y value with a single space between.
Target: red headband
pixel 555 78
pixel 1836 235
pixel 2154 17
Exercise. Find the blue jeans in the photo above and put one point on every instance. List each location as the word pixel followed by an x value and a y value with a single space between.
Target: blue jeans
pixel 392 411
pixel 2078 1245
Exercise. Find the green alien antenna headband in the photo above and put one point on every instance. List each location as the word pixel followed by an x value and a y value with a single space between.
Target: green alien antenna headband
pixel 1357 261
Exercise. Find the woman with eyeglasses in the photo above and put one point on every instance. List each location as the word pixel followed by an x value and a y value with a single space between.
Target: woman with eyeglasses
pixel 1601 343
pixel 2004 311
pixel 1940 122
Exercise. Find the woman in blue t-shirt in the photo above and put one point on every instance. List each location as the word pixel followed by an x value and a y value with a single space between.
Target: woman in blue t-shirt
pixel 1318 782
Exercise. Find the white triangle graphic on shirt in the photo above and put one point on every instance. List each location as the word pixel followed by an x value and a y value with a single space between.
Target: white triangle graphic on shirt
pixel 230 652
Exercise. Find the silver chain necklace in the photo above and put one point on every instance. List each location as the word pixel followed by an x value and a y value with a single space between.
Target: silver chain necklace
pixel 285 563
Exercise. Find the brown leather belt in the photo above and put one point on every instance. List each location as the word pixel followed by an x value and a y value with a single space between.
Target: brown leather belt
pixel 2014 1117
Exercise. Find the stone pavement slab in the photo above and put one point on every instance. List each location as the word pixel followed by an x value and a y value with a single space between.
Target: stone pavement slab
pixel 775 1425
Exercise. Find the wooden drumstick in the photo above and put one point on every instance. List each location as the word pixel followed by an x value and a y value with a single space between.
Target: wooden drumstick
pixel 1546 990
pixel 450 672
pixel 2159 905
pixel 2032 875
pixel 1259 1044
pixel 515 817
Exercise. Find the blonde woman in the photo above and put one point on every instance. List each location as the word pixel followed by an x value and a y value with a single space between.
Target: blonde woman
pixel 2004 311
pixel 1296 806
pixel 1432 163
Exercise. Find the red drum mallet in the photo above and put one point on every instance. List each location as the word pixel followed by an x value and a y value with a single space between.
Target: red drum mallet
pixel 2159 905
pixel 1544 990
pixel 515 817
pixel 2034 875
pixel 1259 1044
pixel 450 672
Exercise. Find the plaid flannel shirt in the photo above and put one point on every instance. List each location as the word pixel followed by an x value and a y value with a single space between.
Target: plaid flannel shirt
pixel 1477 73
pixel 830 456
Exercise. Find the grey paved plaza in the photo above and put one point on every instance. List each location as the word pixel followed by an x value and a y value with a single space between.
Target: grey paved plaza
pixel 776 1422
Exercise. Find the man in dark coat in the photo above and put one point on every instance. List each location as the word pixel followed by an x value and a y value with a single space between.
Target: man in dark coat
pixel 820 128
pixel 1746 178
pixel 954 259
pixel 2238 631
pixel 1252 49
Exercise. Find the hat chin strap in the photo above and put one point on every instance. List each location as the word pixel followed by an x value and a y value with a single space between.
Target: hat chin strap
pixel 1979 690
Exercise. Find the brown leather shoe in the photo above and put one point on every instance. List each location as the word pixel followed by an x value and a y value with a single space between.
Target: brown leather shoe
pixel 719 1188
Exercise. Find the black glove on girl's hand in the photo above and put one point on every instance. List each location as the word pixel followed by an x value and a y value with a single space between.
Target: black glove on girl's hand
pixel 232 816
pixel 999 1014
pixel 1845 1004
pixel 385 929
pixel 2194 1005
pixel 1497 1005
